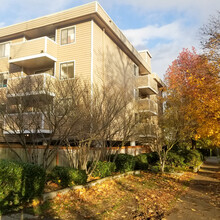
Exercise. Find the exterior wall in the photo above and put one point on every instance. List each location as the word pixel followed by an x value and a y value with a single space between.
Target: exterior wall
pixel 111 66
pixel 102 56
pixel 79 51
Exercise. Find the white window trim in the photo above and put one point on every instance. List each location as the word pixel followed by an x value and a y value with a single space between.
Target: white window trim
pixel 9 52
pixel 74 26
pixel 74 68
pixel 4 73
pixel 137 68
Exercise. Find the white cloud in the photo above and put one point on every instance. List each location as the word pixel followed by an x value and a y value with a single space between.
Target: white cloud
pixel 173 38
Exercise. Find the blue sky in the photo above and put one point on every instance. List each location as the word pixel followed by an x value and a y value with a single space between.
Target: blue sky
pixel 163 27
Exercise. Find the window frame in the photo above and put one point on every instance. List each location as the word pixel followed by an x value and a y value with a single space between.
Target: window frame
pixel 66 28
pixel 4 78
pixel 5 49
pixel 135 67
pixel 74 69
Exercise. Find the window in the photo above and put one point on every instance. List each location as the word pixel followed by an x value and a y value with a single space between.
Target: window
pixel 4 50
pixel 3 80
pixel 136 70
pixel 67 70
pixel 68 35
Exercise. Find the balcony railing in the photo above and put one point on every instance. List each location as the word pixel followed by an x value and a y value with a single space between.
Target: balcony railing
pixel 25 123
pixel 147 83
pixel 31 85
pixel 34 53
pixel 147 105
pixel 147 130
pixel 3 91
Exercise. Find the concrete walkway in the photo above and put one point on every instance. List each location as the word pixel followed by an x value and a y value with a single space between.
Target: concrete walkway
pixel 202 201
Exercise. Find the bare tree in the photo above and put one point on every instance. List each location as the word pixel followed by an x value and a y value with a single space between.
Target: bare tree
pixel 108 118
pixel 210 37
pixel 40 110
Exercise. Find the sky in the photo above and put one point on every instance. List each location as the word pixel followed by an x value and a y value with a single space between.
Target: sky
pixel 164 27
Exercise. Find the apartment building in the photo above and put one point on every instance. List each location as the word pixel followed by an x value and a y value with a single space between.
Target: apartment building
pixel 82 42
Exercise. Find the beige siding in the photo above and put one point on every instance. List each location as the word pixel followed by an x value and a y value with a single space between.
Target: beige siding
pixel 51 47
pixel 147 81
pixel 50 19
pixel 17 40
pixel 121 37
pixel 79 51
pixel 111 65
pixel 33 47
pixel 4 67
pixel 147 57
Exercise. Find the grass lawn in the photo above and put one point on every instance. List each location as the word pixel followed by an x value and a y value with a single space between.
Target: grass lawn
pixel 143 196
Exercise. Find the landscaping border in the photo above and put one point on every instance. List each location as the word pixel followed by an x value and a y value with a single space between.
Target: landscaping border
pixel 51 195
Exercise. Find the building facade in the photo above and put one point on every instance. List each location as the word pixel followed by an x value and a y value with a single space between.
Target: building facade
pixel 81 42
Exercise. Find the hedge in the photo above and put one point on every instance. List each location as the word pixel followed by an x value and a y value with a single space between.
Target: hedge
pixel 19 182
pixel 103 169
pixel 66 176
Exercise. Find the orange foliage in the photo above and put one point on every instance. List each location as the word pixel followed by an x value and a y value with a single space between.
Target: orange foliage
pixel 195 81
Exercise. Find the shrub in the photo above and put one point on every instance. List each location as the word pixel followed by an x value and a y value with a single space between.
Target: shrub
pixel 66 176
pixel 124 162
pixel 19 182
pixel 141 162
pixel 175 160
pixel 152 158
pixel 34 180
pixel 193 158
pixel 155 168
pixel 104 169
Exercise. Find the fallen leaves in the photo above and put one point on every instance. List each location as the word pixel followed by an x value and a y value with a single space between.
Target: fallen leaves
pixel 134 197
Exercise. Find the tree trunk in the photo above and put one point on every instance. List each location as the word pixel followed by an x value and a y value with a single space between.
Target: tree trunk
pixel 162 166
pixel 193 143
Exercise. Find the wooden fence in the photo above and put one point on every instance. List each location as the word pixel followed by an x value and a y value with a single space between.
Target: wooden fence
pixel 60 159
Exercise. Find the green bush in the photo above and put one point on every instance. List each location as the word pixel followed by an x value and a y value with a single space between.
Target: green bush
pixel 104 169
pixel 125 163
pixel 141 162
pixel 175 160
pixel 193 158
pixel 66 176
pixel 34 180
pixel 152 158
pixel 19 182
pixel 155 168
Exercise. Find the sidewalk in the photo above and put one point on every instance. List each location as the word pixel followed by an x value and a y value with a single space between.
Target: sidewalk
pixel 202 200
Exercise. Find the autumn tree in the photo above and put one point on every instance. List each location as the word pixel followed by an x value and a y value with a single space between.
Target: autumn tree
pixel 194 82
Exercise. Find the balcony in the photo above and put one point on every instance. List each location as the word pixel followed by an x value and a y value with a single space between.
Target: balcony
pixel 26 86
pixel 147 130
pixel 147 105
pixel 3 91
pixel 147 84
pixel 39 52
pixel 25 123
